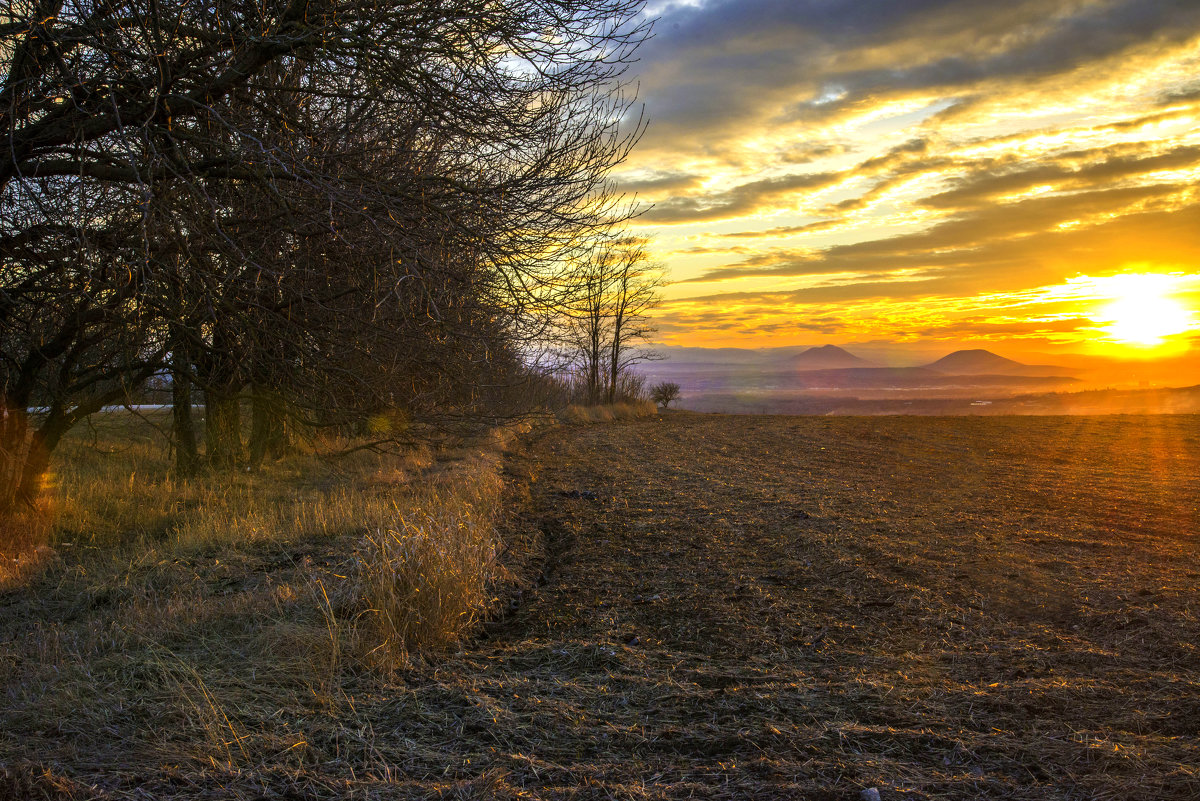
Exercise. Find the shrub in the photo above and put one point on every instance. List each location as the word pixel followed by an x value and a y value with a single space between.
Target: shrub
pixel 665 393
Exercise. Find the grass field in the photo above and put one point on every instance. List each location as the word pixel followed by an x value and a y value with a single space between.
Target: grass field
pixel 701 606
pixel 185 624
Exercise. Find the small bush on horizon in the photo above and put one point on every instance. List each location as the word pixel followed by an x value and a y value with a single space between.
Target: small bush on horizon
pixel 665 393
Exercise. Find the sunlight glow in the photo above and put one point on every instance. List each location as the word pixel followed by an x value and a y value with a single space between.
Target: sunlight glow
pixel 1144 312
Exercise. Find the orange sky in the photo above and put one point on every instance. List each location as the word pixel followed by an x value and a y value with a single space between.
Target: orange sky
pixel 966 173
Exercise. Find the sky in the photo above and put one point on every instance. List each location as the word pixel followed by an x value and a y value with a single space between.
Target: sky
pixel 1014 175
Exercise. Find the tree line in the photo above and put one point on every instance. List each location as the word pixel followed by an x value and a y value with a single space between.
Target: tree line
pixel 331 208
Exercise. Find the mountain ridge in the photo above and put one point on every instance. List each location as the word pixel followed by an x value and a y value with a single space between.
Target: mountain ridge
pixel 827 357
pixel 977 361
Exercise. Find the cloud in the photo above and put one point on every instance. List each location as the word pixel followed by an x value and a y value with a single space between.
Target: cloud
pixel 785 230
pixel 742 200
pixel 716 70
pixel 659 182
pixel 879 152
pixel 808 153
pixel 999 247
pixel 1103 170
pixel 993 329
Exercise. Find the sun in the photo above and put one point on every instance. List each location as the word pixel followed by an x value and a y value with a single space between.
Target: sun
pixel 1146 320
pixel 1144 313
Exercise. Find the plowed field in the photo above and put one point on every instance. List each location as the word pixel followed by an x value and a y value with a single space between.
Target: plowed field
pixel 795 608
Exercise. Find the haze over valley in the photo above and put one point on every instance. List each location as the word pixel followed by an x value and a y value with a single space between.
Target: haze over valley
pixel 875 379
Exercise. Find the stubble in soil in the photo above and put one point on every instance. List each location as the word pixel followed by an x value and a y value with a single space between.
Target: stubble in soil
pixel 742 607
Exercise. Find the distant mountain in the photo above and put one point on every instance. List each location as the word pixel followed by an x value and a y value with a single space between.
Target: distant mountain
pixel 984 362
pixel 826 357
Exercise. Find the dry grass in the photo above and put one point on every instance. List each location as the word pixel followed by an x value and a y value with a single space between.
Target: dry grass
pixel 625 410
pixel 215 623
pixel 426 537
pixel 112 486
pixel 25 533
pixel 426 568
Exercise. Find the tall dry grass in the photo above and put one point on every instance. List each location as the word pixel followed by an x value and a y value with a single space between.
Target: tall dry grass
pixel 625 410
pixel 418 526
pixel 427 564
pixel 218 622
pixel 112 486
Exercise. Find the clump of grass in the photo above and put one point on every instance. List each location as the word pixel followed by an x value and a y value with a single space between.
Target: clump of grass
pixel 633 410
pixel 25 532
pixel 581 415
pixel 427 565
pixel 625 410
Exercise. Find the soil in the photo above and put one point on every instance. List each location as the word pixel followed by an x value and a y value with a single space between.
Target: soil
pixel 800 608
pixel 773 607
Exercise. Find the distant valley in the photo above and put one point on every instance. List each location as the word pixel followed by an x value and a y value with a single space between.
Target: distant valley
pixel 832 379
pixel 830 368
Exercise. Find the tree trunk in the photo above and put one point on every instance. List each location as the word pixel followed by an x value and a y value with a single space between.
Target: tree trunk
pixel 593 376
pixel 222 427
pixel 14 447
pixel 187 453
pixel 614 369
pixel 612 357
pixel 269 436
pixel 25 455
pixel 37 460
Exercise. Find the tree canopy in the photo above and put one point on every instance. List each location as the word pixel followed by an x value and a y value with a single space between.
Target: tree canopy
pixel 342 205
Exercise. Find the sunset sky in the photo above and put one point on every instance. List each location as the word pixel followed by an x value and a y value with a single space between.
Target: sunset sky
pixel 1013 175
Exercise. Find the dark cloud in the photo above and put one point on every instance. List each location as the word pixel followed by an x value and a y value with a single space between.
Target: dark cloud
pixel 897 155
pixel 748 198
pixel 774 262
pixel 1189 94
pixel 714 69
pixel 666 181
pixel 1033 41
pixel 806 154
pixel 981 188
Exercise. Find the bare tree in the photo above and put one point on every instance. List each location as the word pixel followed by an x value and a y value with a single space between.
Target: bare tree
pixel 589 324
pixel 267 192
pixel 636 286
pixel 607 327
pixel 665 393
